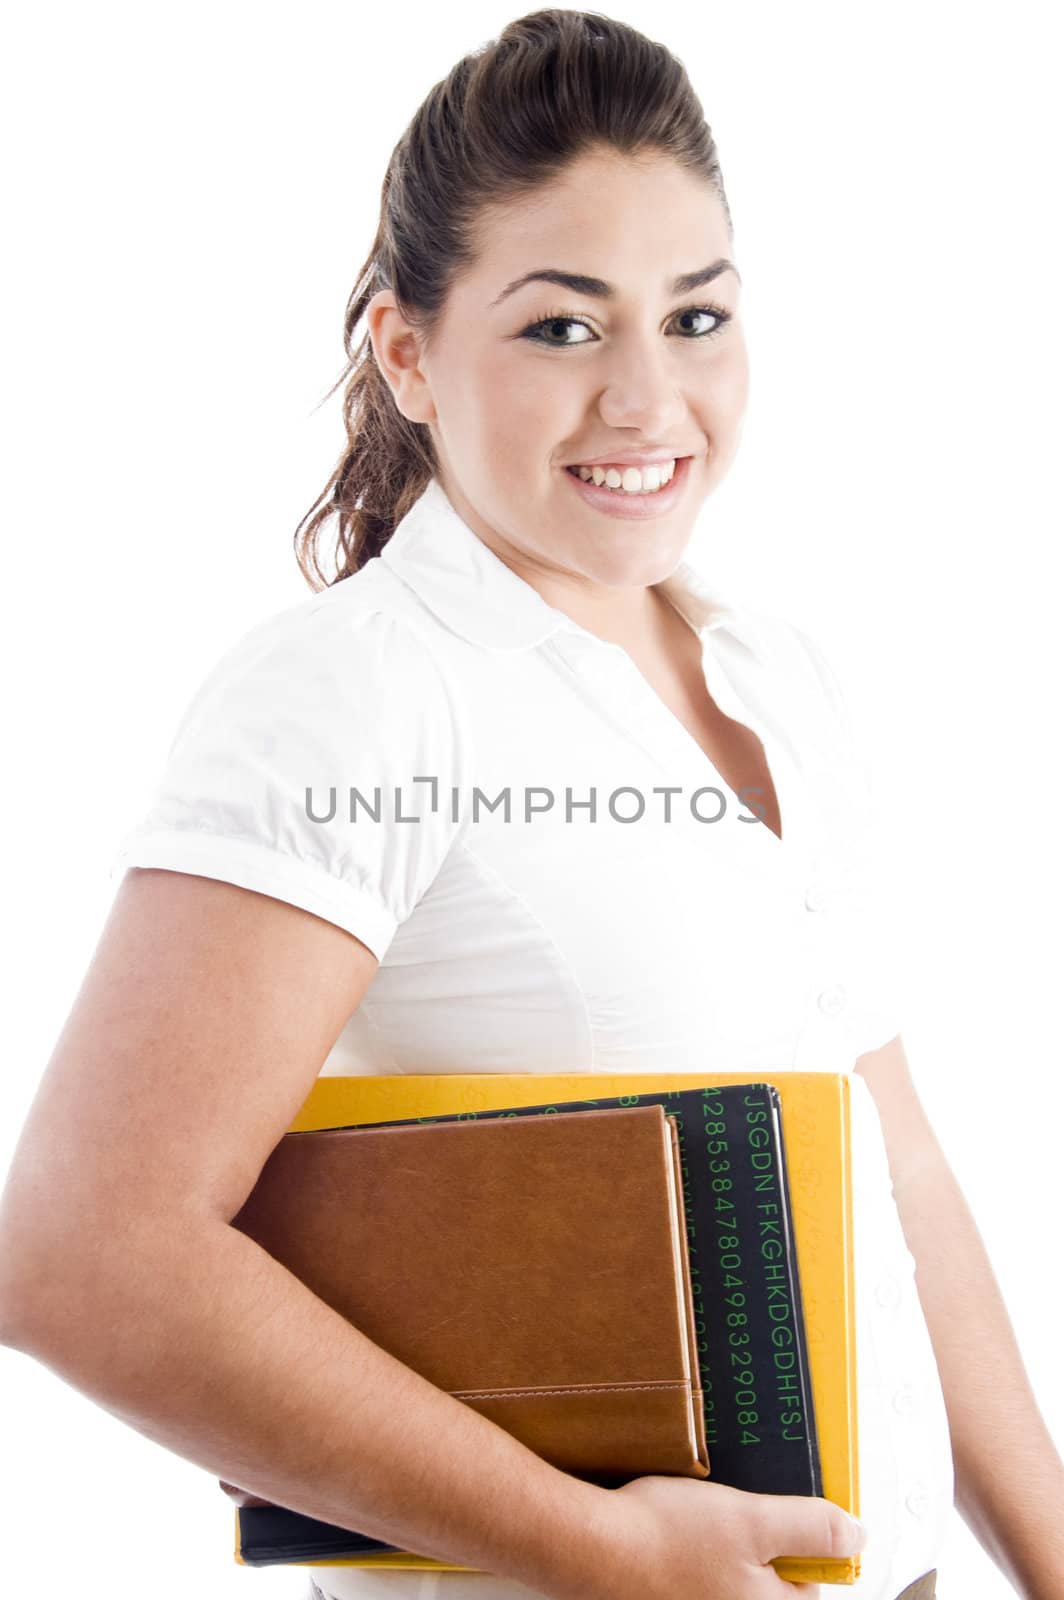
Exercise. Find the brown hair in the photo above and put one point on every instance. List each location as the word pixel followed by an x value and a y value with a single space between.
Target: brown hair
pixel 508 117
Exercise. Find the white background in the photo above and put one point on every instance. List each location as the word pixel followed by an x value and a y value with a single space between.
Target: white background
pixel 189 192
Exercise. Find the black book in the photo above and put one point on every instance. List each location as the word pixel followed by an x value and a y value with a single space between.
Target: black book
pixel 752 1349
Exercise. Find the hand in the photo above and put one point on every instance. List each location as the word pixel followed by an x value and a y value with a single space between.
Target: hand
pixel 683 1536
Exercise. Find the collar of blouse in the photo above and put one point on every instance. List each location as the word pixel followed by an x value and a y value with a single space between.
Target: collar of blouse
pixel 473 592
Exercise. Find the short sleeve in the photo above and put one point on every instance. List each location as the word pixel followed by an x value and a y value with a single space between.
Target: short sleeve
pixel 314 764
pixel 863 877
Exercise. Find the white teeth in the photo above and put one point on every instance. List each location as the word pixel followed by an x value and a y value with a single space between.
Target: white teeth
pixel 630 480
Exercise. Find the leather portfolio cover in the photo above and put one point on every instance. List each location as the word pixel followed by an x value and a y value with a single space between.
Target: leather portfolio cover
pixel 427 1236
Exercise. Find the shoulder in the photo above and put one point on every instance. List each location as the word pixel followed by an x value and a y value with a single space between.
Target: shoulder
pixel 346 675
pixel 335 696
pixel 355 659
pixel 364 626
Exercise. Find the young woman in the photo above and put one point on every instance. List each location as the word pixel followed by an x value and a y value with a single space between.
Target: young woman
pixel 551 382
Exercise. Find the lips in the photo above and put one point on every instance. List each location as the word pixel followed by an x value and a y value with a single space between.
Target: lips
pixel 634 507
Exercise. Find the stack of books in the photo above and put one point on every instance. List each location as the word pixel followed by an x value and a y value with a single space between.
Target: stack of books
pixel 658 1279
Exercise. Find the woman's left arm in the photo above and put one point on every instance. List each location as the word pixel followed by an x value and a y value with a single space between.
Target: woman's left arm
pixel 1009 1477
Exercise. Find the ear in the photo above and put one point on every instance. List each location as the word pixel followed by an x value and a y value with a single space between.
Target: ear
pixel 397 351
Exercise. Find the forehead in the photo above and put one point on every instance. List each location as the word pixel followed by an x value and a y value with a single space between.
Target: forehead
pixel 607 215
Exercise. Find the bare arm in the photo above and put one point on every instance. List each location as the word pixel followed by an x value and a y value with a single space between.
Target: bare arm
pixel 201 1024
pixel 1009 1476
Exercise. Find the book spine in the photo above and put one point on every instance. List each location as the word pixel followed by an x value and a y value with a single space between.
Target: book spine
pixel 758 1432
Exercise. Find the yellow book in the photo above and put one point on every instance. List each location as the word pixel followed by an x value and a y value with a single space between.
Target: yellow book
pixel 815 1110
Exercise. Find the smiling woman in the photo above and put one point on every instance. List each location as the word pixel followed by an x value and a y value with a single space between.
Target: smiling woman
pixel 631 375
pixel 508 608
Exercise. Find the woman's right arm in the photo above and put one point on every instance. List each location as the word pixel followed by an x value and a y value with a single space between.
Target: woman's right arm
pixel 202 1022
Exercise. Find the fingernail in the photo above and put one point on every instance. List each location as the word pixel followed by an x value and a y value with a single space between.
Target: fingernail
pixel 860 1531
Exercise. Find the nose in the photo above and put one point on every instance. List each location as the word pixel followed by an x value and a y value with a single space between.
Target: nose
pixel 641 392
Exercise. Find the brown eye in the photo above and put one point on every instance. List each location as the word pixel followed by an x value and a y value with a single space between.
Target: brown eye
pixel 556 321
pixel 719 315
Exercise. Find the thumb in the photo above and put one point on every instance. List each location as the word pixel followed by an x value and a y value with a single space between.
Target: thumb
pixel 804 1525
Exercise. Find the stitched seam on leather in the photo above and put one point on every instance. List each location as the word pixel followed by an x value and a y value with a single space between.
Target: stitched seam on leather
pixel 584 1388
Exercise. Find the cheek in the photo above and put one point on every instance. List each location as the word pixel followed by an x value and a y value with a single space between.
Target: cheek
pixel 723 395
pixel 474 406
pixel 735 379
pixel 532 389
pixel 525 415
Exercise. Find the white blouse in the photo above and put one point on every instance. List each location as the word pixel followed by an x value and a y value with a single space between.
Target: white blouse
pixel 554 876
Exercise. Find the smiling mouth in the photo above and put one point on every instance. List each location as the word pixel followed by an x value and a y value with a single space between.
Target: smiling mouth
pixel 626 480
pixel 634 502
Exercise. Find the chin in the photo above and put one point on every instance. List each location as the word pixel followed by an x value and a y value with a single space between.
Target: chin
pixel 630 570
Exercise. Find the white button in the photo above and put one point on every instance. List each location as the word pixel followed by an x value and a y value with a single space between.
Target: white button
pixel 903 1399
pixel 815 898
pixel 832 1000
pixel 887 1291
pixel 917 1503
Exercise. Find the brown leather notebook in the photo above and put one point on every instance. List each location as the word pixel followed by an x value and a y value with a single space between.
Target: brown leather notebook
pixel 534 1267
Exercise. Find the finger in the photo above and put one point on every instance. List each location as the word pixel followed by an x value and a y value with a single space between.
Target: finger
pixel 800 1525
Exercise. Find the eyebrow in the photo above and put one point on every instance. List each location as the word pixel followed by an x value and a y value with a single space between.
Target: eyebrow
pixel 579 283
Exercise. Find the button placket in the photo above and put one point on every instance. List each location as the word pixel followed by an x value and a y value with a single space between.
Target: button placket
pixel 894 1374
pixel 825 1037
pixel 827 991
pixel 900 1421
pixel 903 1419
